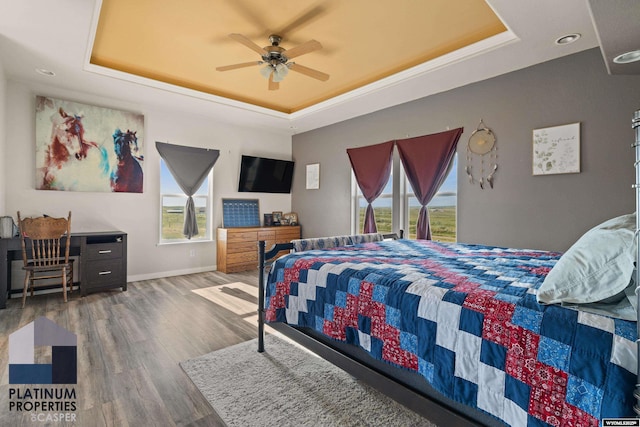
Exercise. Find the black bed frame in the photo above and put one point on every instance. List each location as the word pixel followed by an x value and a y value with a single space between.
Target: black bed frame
pixel 376 374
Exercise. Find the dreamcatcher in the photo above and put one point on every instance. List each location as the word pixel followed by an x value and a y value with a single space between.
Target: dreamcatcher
pixel 482 142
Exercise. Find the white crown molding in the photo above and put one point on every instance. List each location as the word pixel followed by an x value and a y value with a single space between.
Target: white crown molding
pixel 451 58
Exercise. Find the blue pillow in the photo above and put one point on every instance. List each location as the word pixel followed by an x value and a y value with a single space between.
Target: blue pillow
pixel 598 266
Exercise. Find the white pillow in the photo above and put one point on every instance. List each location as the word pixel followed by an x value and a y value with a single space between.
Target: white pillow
pixel 598 266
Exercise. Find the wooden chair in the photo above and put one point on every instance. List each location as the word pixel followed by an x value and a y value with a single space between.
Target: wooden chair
pixel 43 256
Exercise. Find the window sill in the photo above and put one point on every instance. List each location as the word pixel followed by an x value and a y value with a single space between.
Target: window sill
pixel 185 241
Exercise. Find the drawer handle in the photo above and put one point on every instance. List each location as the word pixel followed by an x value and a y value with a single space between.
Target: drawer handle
pixel 105 251
pixel 103 273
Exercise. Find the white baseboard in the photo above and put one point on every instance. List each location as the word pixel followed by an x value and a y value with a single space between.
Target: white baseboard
pixel 159 275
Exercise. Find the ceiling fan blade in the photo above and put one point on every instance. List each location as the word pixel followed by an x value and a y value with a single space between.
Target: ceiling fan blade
pixel 273 85
pixel 235 66
pixel 248 43
pixel 301 20
pixel 305 47
pixel 309 72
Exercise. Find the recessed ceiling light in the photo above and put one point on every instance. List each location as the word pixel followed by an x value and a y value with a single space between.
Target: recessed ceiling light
pixel 627 57
pixel 45 72
pixel 569 38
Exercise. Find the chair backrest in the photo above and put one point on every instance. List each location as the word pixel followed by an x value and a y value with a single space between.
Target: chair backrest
pixel 42 239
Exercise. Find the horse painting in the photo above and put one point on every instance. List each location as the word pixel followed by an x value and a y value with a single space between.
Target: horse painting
pixel 127 174
pixel 80 147
pixel 67 148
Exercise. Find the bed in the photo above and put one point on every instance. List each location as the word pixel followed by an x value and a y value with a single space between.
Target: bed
pixel 470 334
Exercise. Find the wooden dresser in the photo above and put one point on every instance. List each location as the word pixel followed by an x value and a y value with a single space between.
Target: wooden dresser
pixel 237 248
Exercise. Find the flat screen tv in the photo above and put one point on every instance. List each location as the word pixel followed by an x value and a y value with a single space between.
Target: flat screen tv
pixel 263 175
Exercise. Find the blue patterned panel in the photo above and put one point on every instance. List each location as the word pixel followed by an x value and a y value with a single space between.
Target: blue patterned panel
pixel 240 213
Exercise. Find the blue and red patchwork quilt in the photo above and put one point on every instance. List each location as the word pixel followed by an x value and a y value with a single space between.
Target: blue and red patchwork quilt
pixel 466 318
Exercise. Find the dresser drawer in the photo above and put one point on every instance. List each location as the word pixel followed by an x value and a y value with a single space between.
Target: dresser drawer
pixel 267 235
pixel 99 251
pixel 243 258
pixel 287 234
pixel 242 236
pixel 237 268
pixel 236 247
pixel 101 273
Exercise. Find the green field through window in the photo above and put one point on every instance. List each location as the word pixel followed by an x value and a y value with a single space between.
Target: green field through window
pixel 443 222
pixel 173 223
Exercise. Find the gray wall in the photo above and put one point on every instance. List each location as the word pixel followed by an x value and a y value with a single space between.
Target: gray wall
pixel 525 211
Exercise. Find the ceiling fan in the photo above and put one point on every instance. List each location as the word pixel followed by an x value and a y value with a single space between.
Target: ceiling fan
pixel 276 59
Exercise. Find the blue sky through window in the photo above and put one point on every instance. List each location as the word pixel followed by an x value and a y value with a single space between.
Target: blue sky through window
pixel 446 195
pixel 168 185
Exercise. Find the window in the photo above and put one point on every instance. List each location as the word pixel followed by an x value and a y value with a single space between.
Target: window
pixel 173 201
pixel 397 207
pixel 382 208
pixel 442 209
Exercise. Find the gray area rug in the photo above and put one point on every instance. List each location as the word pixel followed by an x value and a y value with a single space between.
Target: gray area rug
pixel 288 386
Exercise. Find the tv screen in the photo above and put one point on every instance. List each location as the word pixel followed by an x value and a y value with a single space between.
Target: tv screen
pixel 263 175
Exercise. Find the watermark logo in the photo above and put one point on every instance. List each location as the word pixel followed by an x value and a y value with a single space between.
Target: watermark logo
pixel 53 403
pixel 63 368
pixel 623 422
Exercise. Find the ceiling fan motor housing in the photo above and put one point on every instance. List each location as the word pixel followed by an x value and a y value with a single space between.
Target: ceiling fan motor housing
pixel 275 54
pixel 275 39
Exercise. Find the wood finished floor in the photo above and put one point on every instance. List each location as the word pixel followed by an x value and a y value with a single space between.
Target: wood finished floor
pixel 129 348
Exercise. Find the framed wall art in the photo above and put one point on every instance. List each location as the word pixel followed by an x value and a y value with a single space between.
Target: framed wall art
pixel 313 176
pixel 82 147
pixel 556 150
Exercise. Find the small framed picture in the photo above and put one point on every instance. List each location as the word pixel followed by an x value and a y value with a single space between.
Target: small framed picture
pixel 291 218
pixel 277 217
pixel 268 220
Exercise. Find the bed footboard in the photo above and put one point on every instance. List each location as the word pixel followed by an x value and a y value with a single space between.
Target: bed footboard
pixel 262 257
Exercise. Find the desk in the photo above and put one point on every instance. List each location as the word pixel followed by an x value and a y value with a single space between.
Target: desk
pixel 102 264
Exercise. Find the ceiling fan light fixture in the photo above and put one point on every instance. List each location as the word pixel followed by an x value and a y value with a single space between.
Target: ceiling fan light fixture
pixel 266 71
pixel 280 72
